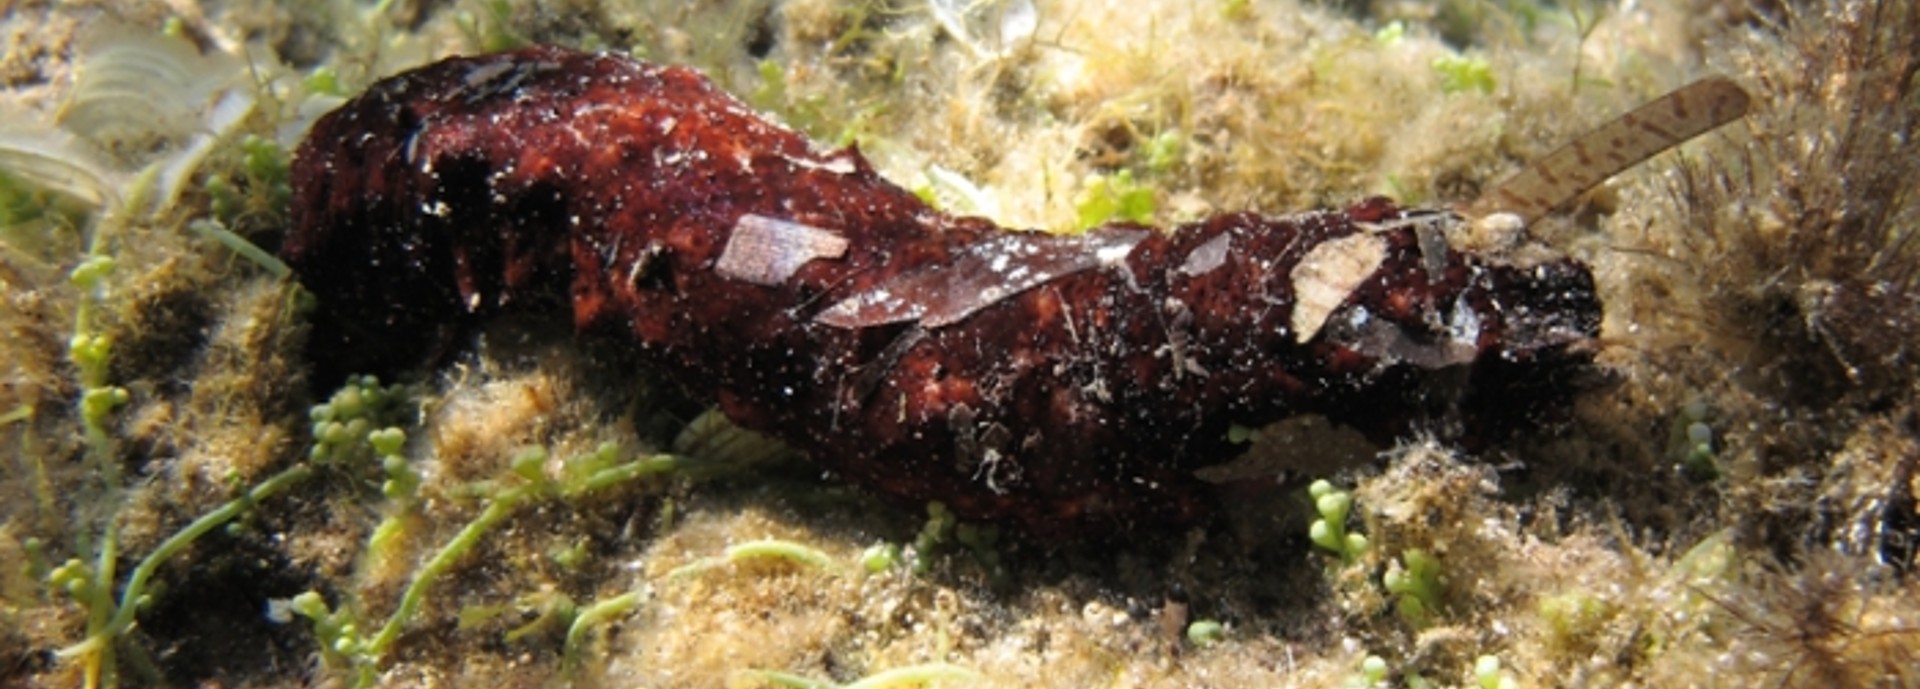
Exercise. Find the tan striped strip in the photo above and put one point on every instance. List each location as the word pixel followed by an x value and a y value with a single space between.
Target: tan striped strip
pixel 1687 112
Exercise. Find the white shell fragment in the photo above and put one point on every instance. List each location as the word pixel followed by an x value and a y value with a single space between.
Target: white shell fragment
pixel 1433 250
pixel 767 251
pixel 1328 274
pixel 985 273
pixel 1209 255
pixel 1493 233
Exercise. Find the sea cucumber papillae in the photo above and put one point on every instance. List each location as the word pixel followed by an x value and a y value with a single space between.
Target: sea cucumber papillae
pixel 1059 383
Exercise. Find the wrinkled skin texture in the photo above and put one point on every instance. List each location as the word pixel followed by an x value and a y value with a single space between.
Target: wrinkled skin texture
pixel 544 178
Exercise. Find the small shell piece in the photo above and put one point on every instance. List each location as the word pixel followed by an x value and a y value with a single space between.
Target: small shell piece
pixel 1328 274
pixel 984 273
pixel 766 251
pixel 1208 256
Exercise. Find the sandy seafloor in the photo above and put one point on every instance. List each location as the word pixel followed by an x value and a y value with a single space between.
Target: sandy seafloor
pixel 1734 509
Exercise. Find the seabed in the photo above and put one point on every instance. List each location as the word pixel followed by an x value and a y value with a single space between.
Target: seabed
pixel 179 506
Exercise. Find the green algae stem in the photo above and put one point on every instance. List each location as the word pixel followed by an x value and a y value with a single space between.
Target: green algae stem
pixel 239 245
pixel 504 505
pixel 767 548
pixel 592 615
pixel 96 650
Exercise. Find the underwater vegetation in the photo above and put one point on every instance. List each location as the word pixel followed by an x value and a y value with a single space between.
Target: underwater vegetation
pixel 186 499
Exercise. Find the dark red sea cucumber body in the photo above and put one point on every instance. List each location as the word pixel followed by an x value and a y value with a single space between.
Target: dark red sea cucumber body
pixel 544 177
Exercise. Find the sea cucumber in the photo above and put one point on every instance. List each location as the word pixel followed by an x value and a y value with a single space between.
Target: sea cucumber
pixel 1060 383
